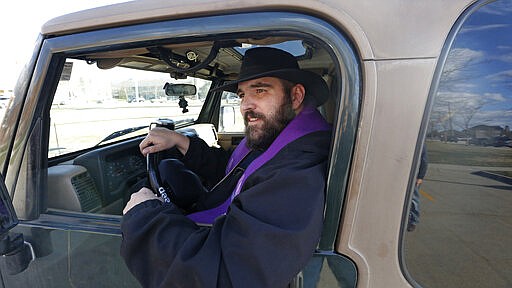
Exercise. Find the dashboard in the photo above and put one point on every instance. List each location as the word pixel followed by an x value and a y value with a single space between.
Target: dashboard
pixel 121 166
pixel 101 180
pixel 114 169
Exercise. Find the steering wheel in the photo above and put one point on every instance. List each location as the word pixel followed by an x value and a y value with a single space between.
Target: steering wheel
pixel 154 177
pixel 152 161
pixel 174 182
pixel 171 180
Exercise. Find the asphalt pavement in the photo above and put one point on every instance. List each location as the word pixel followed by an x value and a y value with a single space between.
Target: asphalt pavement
pixel 465 230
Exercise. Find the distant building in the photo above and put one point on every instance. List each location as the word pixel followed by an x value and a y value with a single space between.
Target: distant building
pixel 146 89
pixel 485 135
pixel 6 92
pixel 485 131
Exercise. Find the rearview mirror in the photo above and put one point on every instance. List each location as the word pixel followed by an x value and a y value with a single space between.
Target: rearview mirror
pixel 180 89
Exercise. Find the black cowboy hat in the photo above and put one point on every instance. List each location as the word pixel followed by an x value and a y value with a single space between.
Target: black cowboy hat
pixel 271 62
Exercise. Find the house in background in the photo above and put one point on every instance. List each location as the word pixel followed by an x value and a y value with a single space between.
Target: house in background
pixel 486 135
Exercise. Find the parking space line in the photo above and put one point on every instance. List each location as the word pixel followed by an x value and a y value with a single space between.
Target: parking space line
pixel 426 195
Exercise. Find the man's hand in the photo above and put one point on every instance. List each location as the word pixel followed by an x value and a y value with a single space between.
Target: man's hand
pixel 160 139
pixel 144 194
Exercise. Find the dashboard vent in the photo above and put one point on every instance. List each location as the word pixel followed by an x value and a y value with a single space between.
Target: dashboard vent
pixel 86 191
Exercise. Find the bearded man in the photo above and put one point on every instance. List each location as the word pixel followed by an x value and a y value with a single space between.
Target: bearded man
pixel 263 229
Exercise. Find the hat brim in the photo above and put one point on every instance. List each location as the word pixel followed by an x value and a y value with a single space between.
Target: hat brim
pixel 315 86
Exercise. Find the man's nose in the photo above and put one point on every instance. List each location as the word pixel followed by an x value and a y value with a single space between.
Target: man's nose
pixel 247 103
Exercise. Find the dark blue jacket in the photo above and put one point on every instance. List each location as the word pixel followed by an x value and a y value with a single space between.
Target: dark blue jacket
pixel 267 236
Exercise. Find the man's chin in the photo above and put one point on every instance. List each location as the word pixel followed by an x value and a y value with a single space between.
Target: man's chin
pixel 253 136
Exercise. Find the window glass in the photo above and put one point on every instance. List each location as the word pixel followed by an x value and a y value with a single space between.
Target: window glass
pixel 94 106
pixel 231 119
pixel 464 233
pixel 295 47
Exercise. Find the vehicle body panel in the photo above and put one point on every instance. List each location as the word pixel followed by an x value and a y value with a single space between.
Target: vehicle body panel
pixel 375 192
pixel 366 21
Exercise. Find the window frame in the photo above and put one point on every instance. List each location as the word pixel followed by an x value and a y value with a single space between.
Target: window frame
pixel 348 93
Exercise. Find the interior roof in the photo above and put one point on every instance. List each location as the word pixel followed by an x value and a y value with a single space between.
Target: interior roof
pixel 227 61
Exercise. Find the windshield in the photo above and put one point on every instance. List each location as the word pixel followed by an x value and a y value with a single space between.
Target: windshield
pixel 92 104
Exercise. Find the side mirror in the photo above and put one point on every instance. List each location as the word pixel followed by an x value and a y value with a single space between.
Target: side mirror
pixel 17 253
pixel 227 118
pixel 8 217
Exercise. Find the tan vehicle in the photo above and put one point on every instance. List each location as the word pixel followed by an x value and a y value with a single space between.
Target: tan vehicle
pixel 402 74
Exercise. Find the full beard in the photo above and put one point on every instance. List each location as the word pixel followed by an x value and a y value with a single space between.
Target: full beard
pixel 260 137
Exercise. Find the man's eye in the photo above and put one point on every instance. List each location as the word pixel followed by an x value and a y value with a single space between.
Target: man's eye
pixel 259 90
pixel 240 95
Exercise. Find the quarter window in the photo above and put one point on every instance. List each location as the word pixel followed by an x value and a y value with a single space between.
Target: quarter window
pixel 464 231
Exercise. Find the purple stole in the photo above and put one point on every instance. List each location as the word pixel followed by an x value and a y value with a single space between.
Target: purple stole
pixel 308 121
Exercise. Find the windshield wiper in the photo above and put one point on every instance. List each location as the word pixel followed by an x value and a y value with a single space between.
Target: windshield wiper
pixel 120 133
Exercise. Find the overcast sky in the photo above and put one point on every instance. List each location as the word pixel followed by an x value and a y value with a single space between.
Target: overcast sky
pixel 20 23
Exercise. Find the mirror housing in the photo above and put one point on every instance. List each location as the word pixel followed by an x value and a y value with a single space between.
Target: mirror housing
pixel 180 90
pixel 8 217
pixel 17 253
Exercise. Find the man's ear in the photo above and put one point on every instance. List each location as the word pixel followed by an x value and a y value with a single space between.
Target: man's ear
pixel 298 92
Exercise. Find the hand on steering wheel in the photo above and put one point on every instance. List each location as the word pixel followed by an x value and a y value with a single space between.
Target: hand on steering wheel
pixel 170 179
pixel 160 139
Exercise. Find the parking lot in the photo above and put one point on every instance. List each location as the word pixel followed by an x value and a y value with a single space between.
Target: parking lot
pixel 461 240
pixel 90 125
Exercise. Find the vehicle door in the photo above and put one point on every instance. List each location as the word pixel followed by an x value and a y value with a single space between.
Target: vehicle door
pixel 73 152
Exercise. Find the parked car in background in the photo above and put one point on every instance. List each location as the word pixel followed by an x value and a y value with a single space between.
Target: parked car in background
pixel 4 101
pixel 137 100
pixel 397 71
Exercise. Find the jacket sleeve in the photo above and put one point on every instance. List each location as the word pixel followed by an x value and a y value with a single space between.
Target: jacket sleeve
pixel 267 236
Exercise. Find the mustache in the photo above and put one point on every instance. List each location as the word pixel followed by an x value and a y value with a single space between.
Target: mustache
pixel 252 114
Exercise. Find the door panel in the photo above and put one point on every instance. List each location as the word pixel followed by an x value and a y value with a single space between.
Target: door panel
pixel 66 258
pixel 95 262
